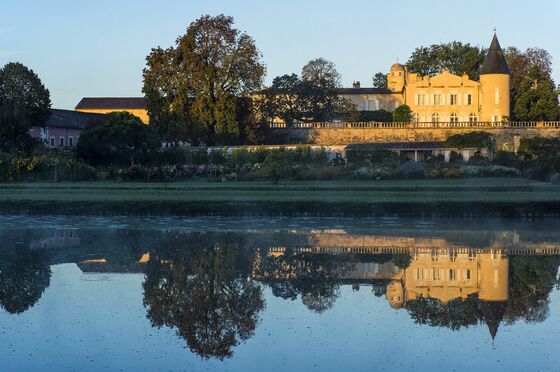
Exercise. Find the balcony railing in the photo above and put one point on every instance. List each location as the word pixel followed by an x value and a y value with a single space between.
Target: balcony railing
pixel 422 125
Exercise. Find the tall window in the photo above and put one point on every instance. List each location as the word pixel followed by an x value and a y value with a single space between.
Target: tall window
pixel 435 117
pixel 473 118
pixel 437 99
pixel 452 274
pixel 453 99
pixel 469 99
pixel 61 141
pixel 421 99
pixel 53 144
pixel 373 105
pixel 417 118
pixel 70 141
pixel 454 118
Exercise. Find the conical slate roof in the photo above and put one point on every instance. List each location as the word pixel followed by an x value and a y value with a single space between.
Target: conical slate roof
pixel 493 313
pixel 495 62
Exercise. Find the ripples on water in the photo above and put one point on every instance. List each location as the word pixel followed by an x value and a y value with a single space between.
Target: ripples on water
pixel 81 293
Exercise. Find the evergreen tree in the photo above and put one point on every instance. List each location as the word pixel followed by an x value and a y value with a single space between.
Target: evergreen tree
pixel 537 98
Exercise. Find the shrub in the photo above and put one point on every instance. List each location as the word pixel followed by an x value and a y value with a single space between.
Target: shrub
pixel 411 169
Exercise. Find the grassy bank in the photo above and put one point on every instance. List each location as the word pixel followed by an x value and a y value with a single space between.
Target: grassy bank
pixel 461 197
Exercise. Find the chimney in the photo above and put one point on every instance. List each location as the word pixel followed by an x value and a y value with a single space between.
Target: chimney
pixel 356 84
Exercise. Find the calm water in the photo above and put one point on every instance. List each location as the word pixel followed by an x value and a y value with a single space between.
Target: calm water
pixel 278 294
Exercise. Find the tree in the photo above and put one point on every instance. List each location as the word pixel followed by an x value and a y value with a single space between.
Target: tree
pixel 537 98
pixel 312 98
pixel 14 130
pixel 192 89
pixel 402 114
pixel 380 80
pixel 456 57
pixel 321 73
pixel 24 101
pixel 122 139
pixel 20 87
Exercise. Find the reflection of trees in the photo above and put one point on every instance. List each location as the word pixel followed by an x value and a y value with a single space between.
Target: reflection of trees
pixel 531 281
pixel 200 290
pixel 454 315
pixel 24 276
pixel 314 277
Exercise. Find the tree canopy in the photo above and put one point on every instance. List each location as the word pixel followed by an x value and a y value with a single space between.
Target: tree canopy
pixel 122 139
pixel 455 57
pixel 21 87
pixel 379 80
pixel 24 101
pixel 193 89
pixel 402 114
pixel 312 98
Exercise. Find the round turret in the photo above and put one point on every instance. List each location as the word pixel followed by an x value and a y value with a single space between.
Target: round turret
pixel 395 294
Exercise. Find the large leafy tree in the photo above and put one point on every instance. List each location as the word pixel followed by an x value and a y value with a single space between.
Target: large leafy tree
pixel 536 98
pixel 24 101
pixel 193 89
pixel 321 73
pixel 380 80
pixel 21 87
pixel 312 98
pixel 122 139
pixel 533 93
pixel 456 57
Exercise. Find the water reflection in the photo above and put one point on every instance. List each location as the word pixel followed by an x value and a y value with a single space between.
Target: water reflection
pixel 209 287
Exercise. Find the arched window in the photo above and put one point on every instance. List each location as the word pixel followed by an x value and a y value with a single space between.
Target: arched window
pixel 454 118
pixel 435 117
pixel 473 118
pixel 416 118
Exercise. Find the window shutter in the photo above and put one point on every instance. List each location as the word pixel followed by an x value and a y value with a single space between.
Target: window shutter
pixel 459 99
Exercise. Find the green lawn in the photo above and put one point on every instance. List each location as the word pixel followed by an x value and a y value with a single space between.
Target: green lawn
pixel 328 191
pixel 303 196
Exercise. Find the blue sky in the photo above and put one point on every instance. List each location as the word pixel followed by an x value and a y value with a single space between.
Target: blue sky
pixel 97 48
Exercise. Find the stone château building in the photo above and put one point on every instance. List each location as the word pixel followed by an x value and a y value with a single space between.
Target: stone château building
pixel 442 98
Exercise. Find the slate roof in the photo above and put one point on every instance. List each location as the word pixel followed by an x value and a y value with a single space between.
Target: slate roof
pixel 363 91
pixel 495 61
pixel 116 103
pixel 395 145
pixel 71 119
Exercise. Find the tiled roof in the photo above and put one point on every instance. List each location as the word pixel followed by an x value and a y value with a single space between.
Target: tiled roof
pixel 395 145
pixel 72 119
pixel 363 91
pixel 117 103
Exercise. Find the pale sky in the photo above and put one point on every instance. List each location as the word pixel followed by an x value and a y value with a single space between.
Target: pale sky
pixel 97 48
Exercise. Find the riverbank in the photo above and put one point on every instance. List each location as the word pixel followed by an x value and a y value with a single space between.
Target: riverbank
pixel 494 197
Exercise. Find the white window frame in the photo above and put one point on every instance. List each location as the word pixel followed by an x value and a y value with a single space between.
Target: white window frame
pixel 70 141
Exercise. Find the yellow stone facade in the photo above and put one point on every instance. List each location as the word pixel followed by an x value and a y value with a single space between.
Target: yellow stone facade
pixel 142 114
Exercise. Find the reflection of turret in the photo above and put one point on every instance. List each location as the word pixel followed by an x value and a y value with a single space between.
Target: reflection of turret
pixel 493 312
pixel 493 276
pixel 395 294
